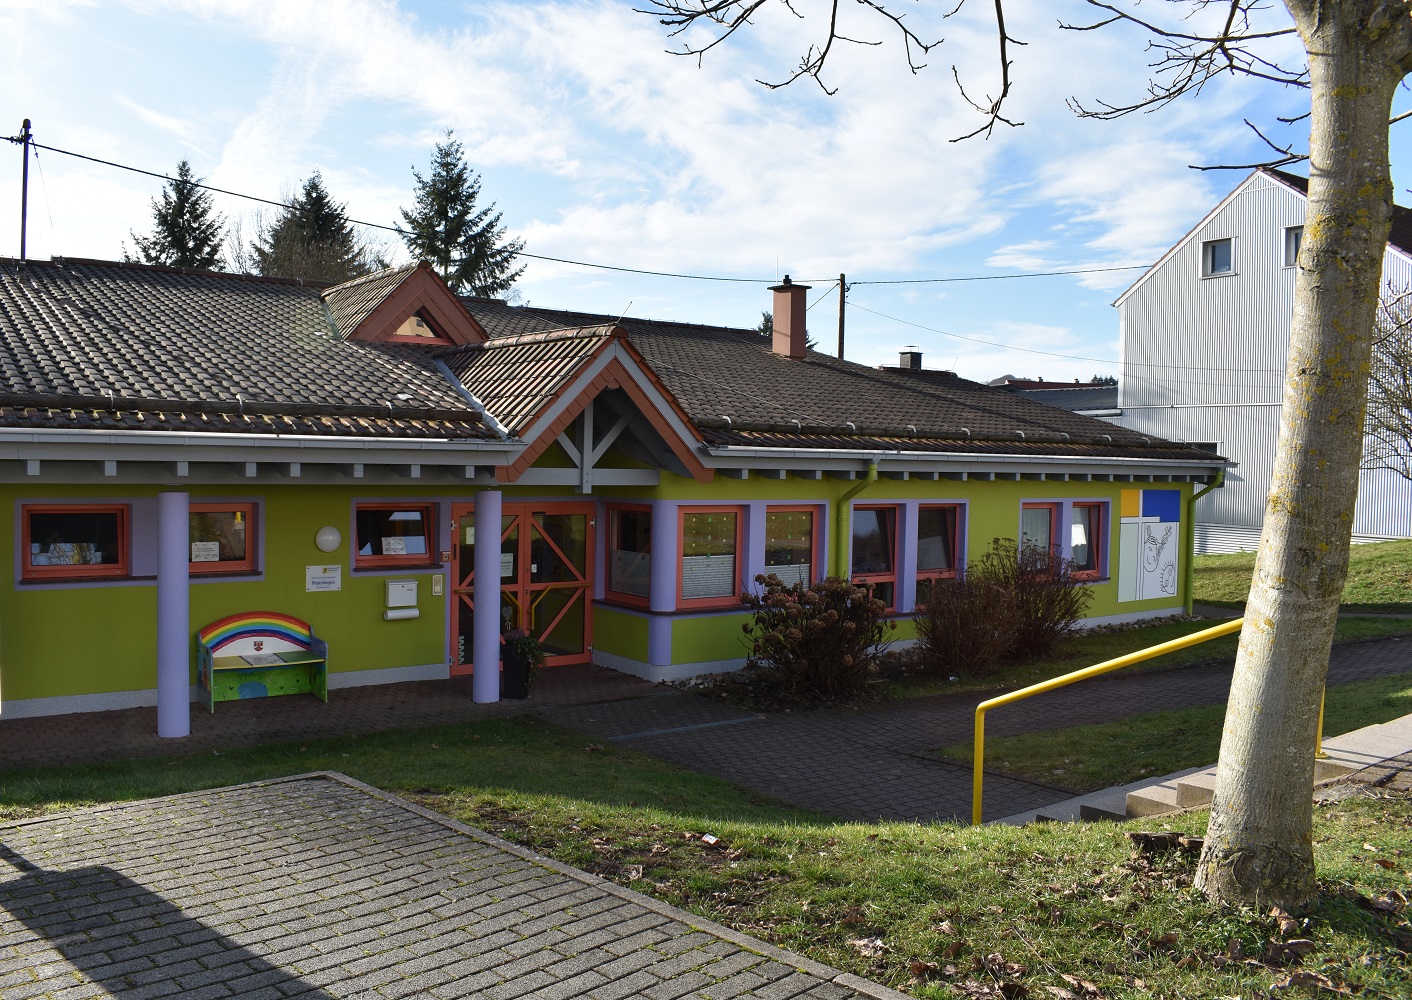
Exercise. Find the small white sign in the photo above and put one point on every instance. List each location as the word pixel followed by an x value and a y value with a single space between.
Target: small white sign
pixel 394 546
pixel 318 578
pixel 470 535
pixel 507 564
pixel 205 551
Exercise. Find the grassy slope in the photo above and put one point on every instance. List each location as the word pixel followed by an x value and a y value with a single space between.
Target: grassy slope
pixel 1086 758
pixel 1087 649
pixel 1055 899
pixel 1379 578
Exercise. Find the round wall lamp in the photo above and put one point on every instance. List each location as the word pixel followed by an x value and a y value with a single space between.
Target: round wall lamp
pixel 328 538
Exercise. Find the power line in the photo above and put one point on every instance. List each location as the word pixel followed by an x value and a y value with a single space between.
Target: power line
pixel 999 277
pixel 1054 354
pixel 580 263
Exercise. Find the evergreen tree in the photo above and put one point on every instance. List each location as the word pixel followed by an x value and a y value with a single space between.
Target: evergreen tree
pixel 465 244
pixel 312 238
pixel 185 231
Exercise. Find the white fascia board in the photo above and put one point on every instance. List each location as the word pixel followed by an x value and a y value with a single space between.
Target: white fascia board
pixel 1191 233
pixel 157 446
pixel 737 457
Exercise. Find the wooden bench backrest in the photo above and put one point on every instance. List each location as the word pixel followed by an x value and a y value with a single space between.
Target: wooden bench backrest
pixel 256 632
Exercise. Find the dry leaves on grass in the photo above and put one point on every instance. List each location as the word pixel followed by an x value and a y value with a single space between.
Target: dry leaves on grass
pixel 1310 980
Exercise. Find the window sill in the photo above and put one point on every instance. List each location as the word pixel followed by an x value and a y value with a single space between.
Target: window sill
pixel 1220 274
pixel 424 567
pixel 44 581
pixel 224 574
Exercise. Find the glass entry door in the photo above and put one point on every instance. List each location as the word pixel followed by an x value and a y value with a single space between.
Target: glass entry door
pixel 546 559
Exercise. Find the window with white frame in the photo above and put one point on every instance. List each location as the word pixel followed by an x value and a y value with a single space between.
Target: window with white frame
pixel 1217 257
pixel 1294 236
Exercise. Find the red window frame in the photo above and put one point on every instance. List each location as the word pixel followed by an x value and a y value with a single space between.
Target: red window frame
pixel 722 601
pixel 429 535
pixel 1055 542
pixel 814 547
pixel 941 574
pixel 1098 540
pixel 246 565
pixel 876 578
pixel 611 538
pixel 121 568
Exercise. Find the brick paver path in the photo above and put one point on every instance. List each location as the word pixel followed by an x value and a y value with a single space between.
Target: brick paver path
pixel 319 887
pixel 879 763
pixel 876 763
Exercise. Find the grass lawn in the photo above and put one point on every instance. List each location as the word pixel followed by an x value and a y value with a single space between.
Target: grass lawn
pixel 1379 579
pixel 1089 648
pixel 1087 758
pixel 926 909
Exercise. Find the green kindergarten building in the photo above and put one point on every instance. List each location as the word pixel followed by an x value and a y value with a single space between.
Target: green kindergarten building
pixel 191 458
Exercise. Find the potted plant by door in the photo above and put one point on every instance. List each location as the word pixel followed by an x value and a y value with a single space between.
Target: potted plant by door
pixel 521 658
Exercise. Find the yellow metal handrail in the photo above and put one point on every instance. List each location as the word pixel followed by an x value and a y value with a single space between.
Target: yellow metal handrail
pixel 1079 675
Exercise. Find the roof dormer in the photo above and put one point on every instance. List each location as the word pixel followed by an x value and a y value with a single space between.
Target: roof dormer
pixel 406 305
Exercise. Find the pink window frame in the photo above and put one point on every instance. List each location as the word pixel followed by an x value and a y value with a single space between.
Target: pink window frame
pixel 1099 541
pixel 815 546
pixel 942 574
pixel 710 602
pixel 876 578
pixel 1055 543
pixel 617 595
pixel 95 571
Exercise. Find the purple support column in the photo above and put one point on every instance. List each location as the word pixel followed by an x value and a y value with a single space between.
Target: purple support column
pixel 754 554
pixel 662 590
pixel 485 651
pixel 907 561
pixel 173 615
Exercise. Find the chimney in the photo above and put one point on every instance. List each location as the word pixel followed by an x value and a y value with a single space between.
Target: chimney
pixel 789 334
pixel 910 358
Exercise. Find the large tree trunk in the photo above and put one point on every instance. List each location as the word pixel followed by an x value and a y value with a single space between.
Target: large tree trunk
pixel 1258 846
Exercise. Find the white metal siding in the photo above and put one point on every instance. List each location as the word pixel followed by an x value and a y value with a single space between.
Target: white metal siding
pixel 1203 360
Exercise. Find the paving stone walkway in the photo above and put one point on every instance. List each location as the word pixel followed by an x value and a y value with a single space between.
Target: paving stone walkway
pixel 864 765
pixel 320 887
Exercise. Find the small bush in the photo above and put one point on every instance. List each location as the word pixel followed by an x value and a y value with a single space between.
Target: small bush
pixel 815 643
pixel 967 625
pixel 1014 605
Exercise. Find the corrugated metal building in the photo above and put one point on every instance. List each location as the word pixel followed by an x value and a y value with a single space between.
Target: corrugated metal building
pixel 1205 332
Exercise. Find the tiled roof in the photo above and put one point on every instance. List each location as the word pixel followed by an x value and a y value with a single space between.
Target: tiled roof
pixel 351 302
pixel 733 386
pixel 163 347
pixel 515 377
pixel 1087 397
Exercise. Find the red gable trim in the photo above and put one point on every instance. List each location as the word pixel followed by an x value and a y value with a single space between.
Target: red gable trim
pixel 615 375
pixel 421 292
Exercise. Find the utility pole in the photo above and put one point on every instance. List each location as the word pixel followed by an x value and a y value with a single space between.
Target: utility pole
pixel 842 295
pixel 25 137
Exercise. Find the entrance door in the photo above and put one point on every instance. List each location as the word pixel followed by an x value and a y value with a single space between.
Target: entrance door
pixel 546 579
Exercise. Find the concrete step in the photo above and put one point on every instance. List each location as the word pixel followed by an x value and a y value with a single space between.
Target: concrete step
pixel 1098 814
pixel 1154 800
pixel 1196 790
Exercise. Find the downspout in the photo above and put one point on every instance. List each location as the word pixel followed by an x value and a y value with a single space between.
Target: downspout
pixel 1191 535
pixel 842 520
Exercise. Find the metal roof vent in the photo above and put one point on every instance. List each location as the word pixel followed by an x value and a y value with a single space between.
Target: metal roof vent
pixel 910 357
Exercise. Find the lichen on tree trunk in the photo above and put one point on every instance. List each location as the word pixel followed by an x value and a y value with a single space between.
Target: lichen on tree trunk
pixel 1258 847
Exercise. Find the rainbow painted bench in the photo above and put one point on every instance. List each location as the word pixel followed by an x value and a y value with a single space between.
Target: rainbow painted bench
pixel 256 654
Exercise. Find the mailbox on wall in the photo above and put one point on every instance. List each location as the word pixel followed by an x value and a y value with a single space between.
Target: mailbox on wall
pixel 401 600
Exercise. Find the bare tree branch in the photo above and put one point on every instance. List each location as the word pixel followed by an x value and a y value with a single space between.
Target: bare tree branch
pixel 1287 153
pixel 1184 61
pixel 1389 416
pixel 726 17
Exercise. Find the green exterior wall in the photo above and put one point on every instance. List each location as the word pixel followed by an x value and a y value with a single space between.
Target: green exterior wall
pixel 620 633
pixel 76 640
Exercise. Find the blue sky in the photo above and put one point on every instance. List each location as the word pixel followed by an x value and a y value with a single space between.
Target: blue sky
pixel 599 145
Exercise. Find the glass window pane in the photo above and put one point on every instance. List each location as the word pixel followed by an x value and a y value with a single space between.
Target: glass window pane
pixel 708 555
pixel 389 532
pixel 218 536
pixel 1083 538
pixel 1035 527
pixel 936 539
pixel 629 564
pixel 1220 251
pixel 789 545
pixel 87 538
pixel 873 533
